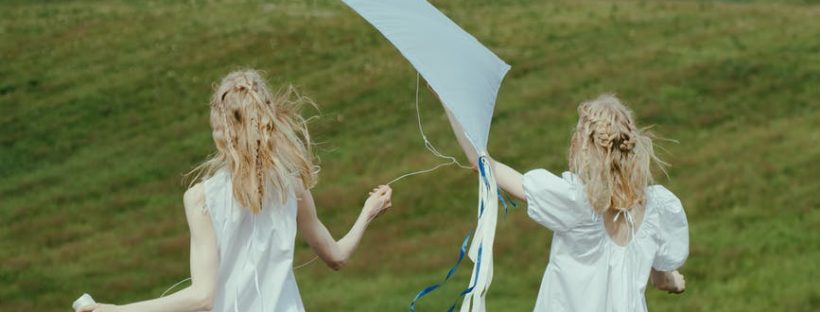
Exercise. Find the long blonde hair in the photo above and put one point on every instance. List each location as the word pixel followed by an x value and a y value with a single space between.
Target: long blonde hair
pixel 260 138
pixel 611 155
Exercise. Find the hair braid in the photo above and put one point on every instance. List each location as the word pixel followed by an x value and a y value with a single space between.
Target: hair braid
pixel 611 155
pixel 260 139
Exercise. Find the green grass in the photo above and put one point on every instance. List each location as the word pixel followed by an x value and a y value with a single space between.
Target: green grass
pixel 103 106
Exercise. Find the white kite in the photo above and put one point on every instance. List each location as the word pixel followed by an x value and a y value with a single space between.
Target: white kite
pixel 466 76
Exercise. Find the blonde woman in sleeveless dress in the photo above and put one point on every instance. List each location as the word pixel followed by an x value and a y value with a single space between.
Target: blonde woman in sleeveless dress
pixel 253 195
pixel 612 230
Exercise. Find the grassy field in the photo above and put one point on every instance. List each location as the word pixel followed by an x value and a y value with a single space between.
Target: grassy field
pixel 103 107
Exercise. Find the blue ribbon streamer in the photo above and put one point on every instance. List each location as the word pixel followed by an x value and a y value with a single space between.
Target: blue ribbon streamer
pixel 469 289
pixel 477 267
pixel 501 196
pixel 450 273
pixel 503 202
pixel 463 250
pixel 483 175
pixel 512 202
pixel 482 172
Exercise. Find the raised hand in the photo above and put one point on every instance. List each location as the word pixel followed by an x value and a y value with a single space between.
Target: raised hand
pixel 378 202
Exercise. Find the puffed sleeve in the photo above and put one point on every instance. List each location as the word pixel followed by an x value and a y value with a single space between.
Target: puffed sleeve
pixel 673 232
pixel 555 202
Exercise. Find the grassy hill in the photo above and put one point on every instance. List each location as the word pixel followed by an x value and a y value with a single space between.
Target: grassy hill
pixel 103 107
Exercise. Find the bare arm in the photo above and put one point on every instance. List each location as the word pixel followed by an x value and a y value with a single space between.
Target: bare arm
pixel 673 282
pixel 509 179
pixel 204 263
pixel 336 253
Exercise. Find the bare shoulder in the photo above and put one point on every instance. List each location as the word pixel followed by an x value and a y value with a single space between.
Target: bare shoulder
pixel 197 214
pixel 300 190
pixel 194 197
pixel 304 201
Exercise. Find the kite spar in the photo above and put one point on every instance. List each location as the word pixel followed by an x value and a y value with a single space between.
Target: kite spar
pixel 466 76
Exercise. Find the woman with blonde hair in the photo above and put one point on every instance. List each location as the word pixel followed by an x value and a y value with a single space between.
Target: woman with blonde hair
pixel 254 193
pixel 612 229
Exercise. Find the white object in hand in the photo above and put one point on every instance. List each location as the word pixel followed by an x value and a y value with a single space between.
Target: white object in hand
pixel 84 300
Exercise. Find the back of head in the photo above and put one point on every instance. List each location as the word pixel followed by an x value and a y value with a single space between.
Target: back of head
pixel 260 138
pixel 611 155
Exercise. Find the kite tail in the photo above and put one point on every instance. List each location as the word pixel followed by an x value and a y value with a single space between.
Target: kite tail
pixel 462 251
pixel 481 249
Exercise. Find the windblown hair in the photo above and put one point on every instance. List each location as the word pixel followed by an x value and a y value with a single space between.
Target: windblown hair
pixel 611 155
pixel 261 139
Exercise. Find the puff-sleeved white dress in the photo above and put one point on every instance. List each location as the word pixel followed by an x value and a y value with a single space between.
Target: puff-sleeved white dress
pixel 587 271
pixel 255 251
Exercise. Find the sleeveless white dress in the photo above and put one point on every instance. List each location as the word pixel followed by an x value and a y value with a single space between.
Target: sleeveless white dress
pixel 255 251
pixel 587 271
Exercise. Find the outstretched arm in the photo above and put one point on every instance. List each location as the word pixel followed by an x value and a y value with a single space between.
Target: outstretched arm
pixel 336 253
pixel 508 178
pixel 204 263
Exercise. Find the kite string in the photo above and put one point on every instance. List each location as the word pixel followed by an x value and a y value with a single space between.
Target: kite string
pixel 428 145
pixel 309 262
pixel 172 287
pixel 420 172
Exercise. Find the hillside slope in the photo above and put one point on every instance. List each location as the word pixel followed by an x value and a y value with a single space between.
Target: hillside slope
pixel 103 107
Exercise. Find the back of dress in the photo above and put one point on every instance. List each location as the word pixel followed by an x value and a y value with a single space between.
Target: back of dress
pixel 255 251
pixel 587 270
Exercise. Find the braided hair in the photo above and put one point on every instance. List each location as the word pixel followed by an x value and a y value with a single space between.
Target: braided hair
pixel 611 155
pixel 260 139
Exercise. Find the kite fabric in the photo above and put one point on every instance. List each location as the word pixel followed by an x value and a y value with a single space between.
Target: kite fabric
pixel 466 76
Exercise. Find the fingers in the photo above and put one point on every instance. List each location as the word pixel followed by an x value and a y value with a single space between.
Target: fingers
pixel 380 190
pixel 386 196
pixel 382 194
pixel 678 283
pixel 682 284
pixel 88 308
pixel 380 200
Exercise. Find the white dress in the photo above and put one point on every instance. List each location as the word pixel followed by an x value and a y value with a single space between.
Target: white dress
pixel 587 271
pixel 255 251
